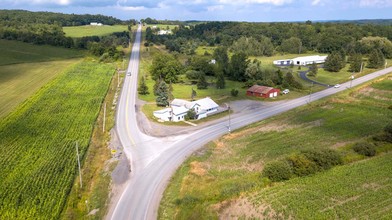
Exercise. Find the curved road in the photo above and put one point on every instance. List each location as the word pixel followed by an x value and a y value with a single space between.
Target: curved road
pixel 154 160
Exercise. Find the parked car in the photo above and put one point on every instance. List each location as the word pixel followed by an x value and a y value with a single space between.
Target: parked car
pixel 286 91
pixel 336 86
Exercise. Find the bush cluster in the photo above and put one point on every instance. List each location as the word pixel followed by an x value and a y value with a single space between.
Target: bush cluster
pixel 302 164
pixel 365 148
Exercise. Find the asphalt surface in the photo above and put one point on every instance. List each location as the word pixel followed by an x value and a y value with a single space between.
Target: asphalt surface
pixel 303 75
pixel 154 160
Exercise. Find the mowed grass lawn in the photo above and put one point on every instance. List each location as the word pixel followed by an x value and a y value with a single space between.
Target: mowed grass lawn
pixel 88 30
pixel 224 179
pixel 24 68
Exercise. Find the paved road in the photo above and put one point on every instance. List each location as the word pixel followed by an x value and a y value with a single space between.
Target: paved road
pixel 154 160
pixel 303 76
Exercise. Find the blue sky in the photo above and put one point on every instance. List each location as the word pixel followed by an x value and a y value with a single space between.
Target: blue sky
pixel 222 10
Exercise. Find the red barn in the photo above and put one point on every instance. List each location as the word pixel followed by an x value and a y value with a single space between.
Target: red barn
pixel 262 91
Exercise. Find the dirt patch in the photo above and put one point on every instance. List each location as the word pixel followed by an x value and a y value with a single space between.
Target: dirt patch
pixel 278 127
pixel 337 203
pixel 340 144
pixel 374 93
pixel 242 208
pixel 346 100
pixel 197 168
pixel 372 186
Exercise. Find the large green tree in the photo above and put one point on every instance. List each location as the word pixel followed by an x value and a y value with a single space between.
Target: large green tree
pixel 355 63
pixel 292 45
pixel 313 69
pixel 166 67
pixel 162 92
pixel 334 62
pixel 376 59
pixel 143 88
pixel 237 67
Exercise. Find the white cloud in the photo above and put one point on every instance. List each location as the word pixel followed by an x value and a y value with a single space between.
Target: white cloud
pixel 215 8
pixel 316 2
pixel 273 2
pixel 42 2
pixel 375 3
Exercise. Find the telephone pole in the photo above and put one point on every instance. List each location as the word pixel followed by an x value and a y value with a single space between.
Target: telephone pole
pixel 80 173
pixel 104 117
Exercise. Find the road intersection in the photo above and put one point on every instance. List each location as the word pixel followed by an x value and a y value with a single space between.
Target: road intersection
pixel 154 160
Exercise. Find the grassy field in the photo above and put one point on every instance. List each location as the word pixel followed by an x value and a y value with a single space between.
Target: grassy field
pixel 13 52
pixel 224 178
pixel 37 142
pixel 88 30
pixel 24 68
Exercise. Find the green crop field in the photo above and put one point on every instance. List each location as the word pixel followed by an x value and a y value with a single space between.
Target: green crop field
pixel 37 142
pixel 225 177
pixel 88 30
pixel 24 68
pixel 361 190
pixel 13 52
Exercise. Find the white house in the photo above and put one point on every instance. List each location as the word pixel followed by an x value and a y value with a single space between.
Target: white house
pixel 179 109
pixel 164 114
pixel 164 32
pixel 301 61
pixel 95 24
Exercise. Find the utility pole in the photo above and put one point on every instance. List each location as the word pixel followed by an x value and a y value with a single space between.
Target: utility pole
pixel 361 67
pixel 118 79
pixel 104 117
pixel 351 82
pixel 228 108
pixel 80 173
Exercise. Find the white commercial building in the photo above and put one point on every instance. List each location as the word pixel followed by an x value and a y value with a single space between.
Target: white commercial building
pixel 301 61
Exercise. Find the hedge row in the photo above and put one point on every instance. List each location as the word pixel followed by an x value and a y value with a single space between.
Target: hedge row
pixel 302 164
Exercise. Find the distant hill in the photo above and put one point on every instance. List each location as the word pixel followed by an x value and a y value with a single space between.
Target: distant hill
pixel 22 16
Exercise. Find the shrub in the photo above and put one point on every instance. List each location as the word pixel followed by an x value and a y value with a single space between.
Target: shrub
pixel 324 158
pixel 365 148
pixel 278 171
pixel 234 92
pixel 388 132
pixel 301 165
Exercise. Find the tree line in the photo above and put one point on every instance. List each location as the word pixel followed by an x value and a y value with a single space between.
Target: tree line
pixel 266 39
pixel 46 28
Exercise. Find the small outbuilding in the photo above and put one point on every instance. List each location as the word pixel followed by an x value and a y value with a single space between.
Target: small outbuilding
pixel 262 91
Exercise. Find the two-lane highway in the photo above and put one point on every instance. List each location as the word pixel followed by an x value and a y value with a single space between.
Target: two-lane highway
pixel 154 160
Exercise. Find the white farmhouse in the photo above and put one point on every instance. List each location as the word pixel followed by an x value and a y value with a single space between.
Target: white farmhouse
pixel 179 109
pixel 164 32
pixel 301 61
pixel 95 24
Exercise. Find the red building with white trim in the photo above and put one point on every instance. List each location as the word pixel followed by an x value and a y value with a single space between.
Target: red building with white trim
pixel 262 91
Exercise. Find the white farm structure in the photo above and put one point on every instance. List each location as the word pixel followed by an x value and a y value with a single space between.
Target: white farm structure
pixel 301 61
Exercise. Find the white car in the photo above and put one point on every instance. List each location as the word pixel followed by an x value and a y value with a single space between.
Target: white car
pixel 129 73
pixel 286 91
pixel 336 86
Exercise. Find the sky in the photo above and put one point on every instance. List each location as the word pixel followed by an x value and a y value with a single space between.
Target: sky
pixel 216 10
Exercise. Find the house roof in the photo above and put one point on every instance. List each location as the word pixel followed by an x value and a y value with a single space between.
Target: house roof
pixel 206 103
pixel 162 111
pixel 310 58
pixel 260 89
pixel 180 102
pixel 179 110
